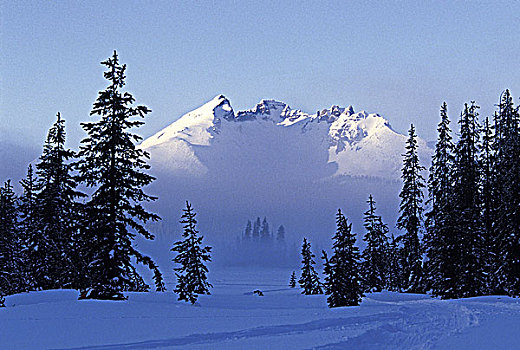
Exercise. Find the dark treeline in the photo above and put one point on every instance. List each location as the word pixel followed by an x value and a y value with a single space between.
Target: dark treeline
pixel 260 231
pixel 54 236
pixel 463 241
pixel 262 245
pixel 472 239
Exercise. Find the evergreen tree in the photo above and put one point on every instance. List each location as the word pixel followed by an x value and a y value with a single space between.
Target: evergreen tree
pixel 441 246
pixel 114 167
pixel 264 233
pixel 374 255
pixel 292 281
pixel 411 217
pixel 309 280
pixel 191 275
pixel 487 200
pixel 29 225
pixel 50 249
pixel 343 279
pixel 280 234
pixel 465 198
pixel 327 272
pixel 393 271
pixel 10 276
pixel 507 187
pixel 248 231
pixel 256 229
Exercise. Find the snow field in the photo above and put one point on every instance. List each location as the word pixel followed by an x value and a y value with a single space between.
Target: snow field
pixel 234 318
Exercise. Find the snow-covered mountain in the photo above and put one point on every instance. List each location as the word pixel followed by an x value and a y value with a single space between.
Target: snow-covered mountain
pixel 293 167
pixel 332 142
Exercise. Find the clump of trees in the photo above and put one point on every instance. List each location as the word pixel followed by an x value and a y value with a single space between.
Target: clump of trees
pixel 55 236
pixel 262 244
pixel 465 240
pixel 472 239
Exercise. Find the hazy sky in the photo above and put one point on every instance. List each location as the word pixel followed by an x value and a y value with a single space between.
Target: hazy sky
pixel 399 59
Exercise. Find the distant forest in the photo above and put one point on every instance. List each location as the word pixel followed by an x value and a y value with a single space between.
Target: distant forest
pixel 462 240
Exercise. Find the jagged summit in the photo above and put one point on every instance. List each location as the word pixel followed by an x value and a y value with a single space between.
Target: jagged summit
pixel 355 143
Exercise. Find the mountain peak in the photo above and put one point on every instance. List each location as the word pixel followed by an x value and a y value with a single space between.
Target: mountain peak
pixel 358 143
pixel 197 126
pixel 265 110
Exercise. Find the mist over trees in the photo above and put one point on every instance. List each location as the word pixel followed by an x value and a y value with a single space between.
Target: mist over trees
pixel 261 245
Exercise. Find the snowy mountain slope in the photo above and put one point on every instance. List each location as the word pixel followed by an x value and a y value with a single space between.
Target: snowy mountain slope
pixel 234 318
pixel 333 142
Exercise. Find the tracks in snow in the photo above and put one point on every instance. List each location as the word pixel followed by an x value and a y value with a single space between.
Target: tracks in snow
pixel 410 325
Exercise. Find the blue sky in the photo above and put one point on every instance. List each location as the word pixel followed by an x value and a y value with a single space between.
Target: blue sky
pixel 399 59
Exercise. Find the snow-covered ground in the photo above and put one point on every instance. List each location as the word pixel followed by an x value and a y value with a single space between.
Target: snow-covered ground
pixel 234 318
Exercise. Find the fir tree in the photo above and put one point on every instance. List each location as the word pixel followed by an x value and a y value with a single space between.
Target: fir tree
pixel 487 201
pixel 441 247
pixel 191 275
pixel 256 229
pixel 10 276
pixel 50 250
pixel 280 234
pixel 327 272
pixel 29 225
pixel 465 198
pixel 115 168
pixel 264 233
pixel 248 231
pixel 393 270
pixel 343 279
pixel 309 280
pixel 507 187
pixel 292 281
pixel 411 217
pixel 374 254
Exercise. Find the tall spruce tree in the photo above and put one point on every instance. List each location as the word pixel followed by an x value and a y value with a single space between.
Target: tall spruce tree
pixel 113 165
pixel 410 219
pixel 375 261
pixel 309 280
pixel 487 200
pixel 441 246
pixel 29 225
pixel 465 198
pixel 393 269
pixel 280 234
pixel 256 229
pixel 10 264
pixel 192 274
pixel 507 187
pixel 248 231
pixel 264 232
pixel 343 280
pixel 51 249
